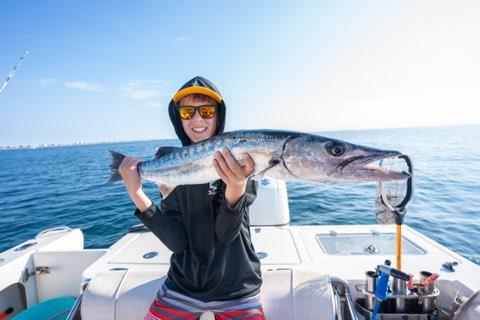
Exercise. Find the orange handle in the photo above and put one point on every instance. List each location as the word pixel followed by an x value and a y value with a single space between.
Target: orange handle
pixel 399 246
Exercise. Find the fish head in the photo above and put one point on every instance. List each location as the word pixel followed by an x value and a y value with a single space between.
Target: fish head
pixel 320 159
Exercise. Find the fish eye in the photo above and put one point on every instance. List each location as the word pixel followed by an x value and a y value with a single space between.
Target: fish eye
pixel 335 149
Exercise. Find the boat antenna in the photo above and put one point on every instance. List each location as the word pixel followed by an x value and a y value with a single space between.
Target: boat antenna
pixel 12 72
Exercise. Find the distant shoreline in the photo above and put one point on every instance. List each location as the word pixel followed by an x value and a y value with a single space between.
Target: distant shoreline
pixel 71 144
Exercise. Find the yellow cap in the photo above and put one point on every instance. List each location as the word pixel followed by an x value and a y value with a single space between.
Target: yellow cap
pixel 197 89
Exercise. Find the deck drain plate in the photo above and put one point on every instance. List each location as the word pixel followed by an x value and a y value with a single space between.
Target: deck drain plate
pixel 150 255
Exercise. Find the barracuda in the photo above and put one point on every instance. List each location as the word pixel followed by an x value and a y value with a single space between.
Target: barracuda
pixel 291 156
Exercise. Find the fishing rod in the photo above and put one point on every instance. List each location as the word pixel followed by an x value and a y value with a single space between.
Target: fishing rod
pixel 12 72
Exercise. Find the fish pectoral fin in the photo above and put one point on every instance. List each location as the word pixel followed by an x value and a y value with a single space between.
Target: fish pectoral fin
pixel 259 175
pixel 165 190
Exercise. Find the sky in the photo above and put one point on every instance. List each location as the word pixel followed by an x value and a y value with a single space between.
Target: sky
pixel 106 70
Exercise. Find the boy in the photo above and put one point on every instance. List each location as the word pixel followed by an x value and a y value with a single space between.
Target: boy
pixel 213 265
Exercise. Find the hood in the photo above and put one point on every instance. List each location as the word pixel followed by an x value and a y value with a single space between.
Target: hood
pixel 196 85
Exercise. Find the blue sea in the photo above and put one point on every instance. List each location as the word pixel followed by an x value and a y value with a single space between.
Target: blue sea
pixel 48 187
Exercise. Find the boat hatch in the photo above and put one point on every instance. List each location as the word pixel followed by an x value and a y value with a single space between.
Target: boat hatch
pixel 365 244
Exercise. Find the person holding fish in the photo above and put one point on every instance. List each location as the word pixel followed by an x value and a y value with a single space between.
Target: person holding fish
pixel 213 266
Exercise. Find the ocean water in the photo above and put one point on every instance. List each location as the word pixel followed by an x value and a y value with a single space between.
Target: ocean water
pixel 48 187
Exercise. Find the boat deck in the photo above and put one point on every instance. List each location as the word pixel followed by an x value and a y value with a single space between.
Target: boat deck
pixel 341 251
pixel 297 263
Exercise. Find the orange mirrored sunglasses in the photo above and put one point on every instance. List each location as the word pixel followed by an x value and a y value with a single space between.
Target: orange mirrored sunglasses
pixel 188 112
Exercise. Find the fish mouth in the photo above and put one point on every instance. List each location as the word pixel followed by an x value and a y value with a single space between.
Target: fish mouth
pixel 367 168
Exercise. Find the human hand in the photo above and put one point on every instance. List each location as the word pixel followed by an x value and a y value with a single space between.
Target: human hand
pixel 232 173
pixel 131 178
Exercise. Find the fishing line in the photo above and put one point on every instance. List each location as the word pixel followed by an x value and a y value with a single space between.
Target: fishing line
pixel 12 72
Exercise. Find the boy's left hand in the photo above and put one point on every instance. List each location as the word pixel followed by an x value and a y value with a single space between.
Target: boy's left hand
pixel 233 174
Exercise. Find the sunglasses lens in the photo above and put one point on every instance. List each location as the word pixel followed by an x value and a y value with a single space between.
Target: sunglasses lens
pixel 207 112
pixel 186 113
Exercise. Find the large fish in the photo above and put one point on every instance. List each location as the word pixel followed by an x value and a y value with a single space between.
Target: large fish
pixel 291 156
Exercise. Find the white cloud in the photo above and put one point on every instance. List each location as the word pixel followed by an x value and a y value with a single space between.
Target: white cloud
pixel 85 86
pixel 182 39
pixel 45 82
pixel 155 105
pixel 143 89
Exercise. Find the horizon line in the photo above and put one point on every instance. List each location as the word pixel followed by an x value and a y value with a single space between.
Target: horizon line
pixel 69 144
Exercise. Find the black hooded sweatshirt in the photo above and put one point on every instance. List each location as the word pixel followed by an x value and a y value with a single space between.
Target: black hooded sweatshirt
pixel 213 256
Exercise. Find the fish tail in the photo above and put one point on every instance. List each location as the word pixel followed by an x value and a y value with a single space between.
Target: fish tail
pixel 117 159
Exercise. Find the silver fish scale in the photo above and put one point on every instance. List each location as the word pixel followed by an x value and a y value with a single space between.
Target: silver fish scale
pixel 193 164
pixel 290 156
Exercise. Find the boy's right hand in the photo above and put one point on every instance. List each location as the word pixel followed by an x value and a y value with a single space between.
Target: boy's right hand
pixel 131 178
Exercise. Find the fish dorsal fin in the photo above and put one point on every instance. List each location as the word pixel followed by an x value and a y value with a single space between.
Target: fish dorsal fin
pixel 165 190
pixel 164 150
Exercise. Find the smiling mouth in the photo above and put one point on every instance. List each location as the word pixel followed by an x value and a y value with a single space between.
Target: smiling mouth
pixel 199 129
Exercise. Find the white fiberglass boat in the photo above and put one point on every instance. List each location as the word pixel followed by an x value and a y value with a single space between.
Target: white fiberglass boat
pixel 309 272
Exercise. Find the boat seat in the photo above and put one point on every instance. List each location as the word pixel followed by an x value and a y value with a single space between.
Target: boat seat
pixel 56 308
pixel 286 294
